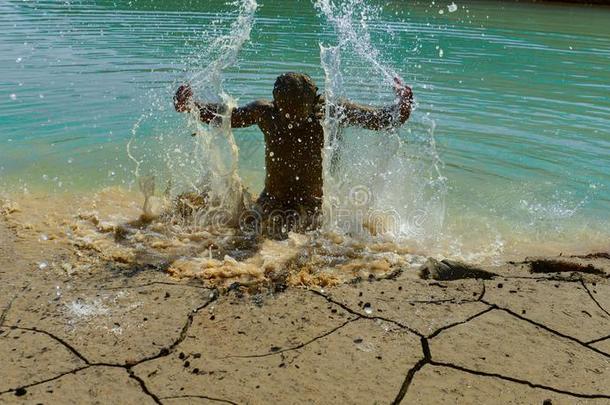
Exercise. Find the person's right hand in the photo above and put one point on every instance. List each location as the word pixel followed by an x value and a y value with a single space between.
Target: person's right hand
pixel 182 98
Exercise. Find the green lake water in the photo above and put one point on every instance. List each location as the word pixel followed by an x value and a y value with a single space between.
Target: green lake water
pixel 517 94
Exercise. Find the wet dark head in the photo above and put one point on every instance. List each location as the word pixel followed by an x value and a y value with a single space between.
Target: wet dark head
pixel 295 94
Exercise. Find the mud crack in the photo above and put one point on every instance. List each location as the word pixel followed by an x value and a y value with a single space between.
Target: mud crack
pixel 601 339
pixel 353 312
pixel 548 329
pixel 128 367
pixel 5 310
pixel 451 325
pixel 517 380
pixel 593 298
pixel 65 344
pixel 299 346
pixel 427 359
pixel 23 389
pixel 224 401
pixel 143 386
pixel 412 371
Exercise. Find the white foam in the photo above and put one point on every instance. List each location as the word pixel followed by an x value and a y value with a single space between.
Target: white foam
pixel 87 309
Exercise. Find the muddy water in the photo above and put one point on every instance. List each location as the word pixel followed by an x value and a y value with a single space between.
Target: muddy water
pixel 515 96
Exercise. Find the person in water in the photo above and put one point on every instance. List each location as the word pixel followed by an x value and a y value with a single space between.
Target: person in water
pixel 294 137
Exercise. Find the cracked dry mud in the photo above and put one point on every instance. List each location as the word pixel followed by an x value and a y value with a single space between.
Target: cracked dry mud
pixel 104 335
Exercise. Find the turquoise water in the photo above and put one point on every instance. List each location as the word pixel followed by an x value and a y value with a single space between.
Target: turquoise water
pixel 517 95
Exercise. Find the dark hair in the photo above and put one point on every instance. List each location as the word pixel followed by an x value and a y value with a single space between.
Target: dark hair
pixel 294 83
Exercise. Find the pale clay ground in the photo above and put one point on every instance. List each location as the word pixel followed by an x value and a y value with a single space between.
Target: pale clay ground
pixel 534 332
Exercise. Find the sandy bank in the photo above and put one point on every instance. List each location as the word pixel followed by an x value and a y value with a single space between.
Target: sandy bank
pixel 77 327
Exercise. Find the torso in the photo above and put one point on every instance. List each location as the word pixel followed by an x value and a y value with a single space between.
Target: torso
pixel 293 160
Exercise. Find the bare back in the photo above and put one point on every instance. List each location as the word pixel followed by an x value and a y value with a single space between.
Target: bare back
pixel 293 159
pixel 293 144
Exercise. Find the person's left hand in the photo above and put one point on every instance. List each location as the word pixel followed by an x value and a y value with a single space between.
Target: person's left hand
pixel 183 96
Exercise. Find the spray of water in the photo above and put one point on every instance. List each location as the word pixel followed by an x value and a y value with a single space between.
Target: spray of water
pixel 374 184
pixel 349 19
pixel 207 164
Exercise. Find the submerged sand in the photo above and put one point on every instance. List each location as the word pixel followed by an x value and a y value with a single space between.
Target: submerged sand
pixel 95 308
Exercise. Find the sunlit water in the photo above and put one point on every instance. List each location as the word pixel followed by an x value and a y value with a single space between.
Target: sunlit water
pixel 515 95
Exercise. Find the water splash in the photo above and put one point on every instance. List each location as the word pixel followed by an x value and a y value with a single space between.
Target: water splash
pixel 226 48
pixel 350 21
pixel 207 164
pixel 374 184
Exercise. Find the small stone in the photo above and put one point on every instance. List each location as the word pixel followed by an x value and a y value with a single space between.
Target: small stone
pixel 357 341
pixel 20 392
pixel 368 308
pixel 500 285
pixel 187 364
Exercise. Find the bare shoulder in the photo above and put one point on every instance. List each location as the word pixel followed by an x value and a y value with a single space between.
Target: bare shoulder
pixel 261 105
pixel 252 113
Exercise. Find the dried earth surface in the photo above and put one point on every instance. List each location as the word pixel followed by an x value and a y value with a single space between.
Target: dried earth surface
pixel 533 332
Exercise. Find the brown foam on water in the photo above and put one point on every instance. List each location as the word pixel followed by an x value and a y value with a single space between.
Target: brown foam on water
pixel 105 228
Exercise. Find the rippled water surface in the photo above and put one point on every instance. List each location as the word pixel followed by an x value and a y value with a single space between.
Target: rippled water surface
pixel 518 94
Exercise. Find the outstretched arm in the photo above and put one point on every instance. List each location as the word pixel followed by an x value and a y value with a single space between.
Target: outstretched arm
pixel 245 116
pixel 380 118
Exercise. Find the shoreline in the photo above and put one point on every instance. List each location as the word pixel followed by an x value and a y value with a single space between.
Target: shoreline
pixel 423 334
pixel 97 214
